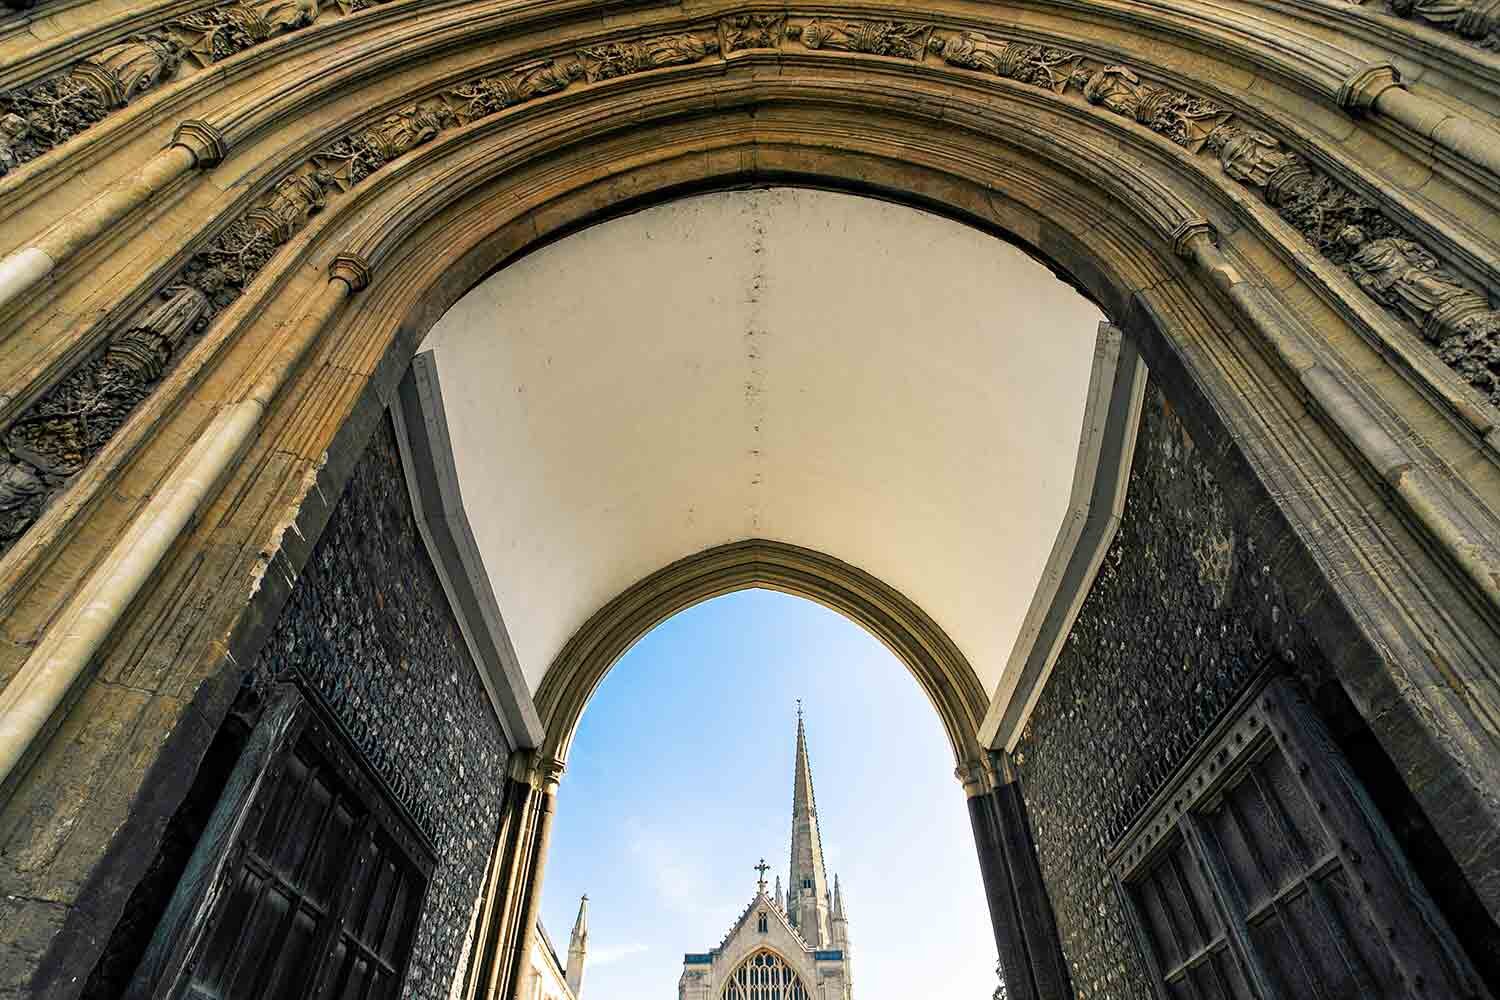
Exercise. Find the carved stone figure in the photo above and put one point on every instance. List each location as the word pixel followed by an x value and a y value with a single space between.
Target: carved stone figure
pixel 133 67
pixel 603 62
pixel 209 36
pixel 293 201
pixel 1033 64
pixel 1401 274
pixel 353 158
pixel 495 93
pixel 13 132
pixel 1118 89
pixel 1253 157
pixel 403 131
pixel 22 495
pixel 752 31
pixel 971 50
pixel 1475 21
pixel 881 38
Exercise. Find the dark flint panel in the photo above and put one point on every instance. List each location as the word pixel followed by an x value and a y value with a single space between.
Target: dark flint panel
pixel 1185 610
pixel 369 627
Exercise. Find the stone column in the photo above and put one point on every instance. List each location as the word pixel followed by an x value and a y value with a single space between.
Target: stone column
pixel 545 797
pixel 1031 959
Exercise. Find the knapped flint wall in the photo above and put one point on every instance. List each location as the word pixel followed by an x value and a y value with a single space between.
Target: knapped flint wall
pixel 1182 614
pixel 369 625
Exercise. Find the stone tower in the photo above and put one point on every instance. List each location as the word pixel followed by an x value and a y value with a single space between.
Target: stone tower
pixel 578 949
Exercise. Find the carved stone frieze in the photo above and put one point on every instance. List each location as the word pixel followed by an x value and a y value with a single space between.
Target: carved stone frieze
pixel 493 94
pixel 1035 64
pixel 36 118
pixel 604 62
pixel 353 158
pixel 55 438
pixel 1476 20
pixel 209 36
pixel 752 31
pixel 1346 228
pixel 904 39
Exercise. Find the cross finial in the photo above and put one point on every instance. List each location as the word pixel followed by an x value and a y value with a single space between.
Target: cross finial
pixel 762 868
pixel 799 709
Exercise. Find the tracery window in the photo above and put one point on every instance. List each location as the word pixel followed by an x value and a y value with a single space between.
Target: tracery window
pixel 764 976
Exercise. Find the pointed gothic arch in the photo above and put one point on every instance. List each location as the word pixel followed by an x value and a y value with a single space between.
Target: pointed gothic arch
pixel 1184 166
pixel 937 665
pixel 765 975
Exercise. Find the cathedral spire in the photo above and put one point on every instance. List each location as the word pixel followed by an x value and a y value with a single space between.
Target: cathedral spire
pixel 578 949
pixel 807 892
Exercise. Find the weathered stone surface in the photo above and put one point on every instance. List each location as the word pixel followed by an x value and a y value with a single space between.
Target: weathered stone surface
pixel 369 626
pixel 1162 645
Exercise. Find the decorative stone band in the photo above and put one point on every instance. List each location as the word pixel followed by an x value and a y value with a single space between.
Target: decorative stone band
pixel 1347 228
pixel 1354 415
pixel 30 703
pixel 1477 21
pixel 36 118
pixel 52 440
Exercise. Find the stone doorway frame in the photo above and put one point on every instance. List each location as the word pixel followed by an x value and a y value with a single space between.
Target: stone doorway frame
pixel 1371 467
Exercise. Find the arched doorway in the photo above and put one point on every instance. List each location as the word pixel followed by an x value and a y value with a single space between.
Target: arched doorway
pixel 151 556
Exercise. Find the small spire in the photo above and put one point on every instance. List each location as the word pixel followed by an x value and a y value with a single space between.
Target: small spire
pixel 838 899
pixel 780 899
pixel 578 949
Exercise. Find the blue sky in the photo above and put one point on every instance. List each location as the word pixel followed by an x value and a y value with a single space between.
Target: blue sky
pixel 680 780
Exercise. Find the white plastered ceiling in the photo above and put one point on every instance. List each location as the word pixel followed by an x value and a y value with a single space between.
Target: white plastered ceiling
pixel 886 386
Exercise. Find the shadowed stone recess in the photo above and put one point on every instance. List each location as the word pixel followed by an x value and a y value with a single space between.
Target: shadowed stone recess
pixel 369 626
pixel 1162 645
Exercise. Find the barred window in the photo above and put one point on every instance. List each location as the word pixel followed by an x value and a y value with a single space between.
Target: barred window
pixel 764 976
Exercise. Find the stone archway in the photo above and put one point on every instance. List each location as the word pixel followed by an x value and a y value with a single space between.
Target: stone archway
pixel 915 639
pixel 407 151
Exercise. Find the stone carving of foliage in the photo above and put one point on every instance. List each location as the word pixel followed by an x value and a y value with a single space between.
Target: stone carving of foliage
pixel 604 62
pixel 903 39
pixel 36 118
pixel 493 94
pixel 53 440
pixel 752 31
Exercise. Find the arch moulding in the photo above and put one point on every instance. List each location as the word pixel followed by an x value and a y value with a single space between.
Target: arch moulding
pixel 938 666
pixel 1302 245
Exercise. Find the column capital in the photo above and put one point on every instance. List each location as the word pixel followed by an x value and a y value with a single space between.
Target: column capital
pixel 976 775
pixel 204 141
pixel 352 269
pixel 1188 231
pixel 1362 88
